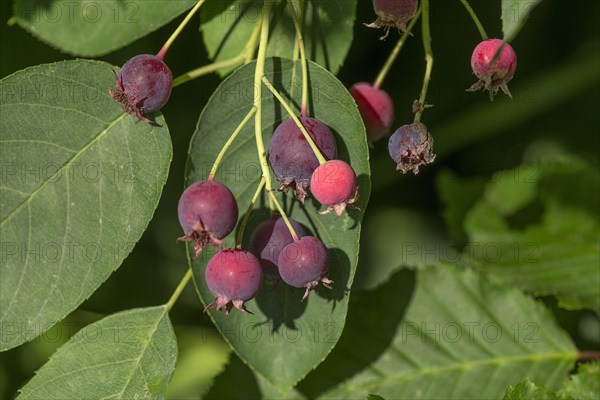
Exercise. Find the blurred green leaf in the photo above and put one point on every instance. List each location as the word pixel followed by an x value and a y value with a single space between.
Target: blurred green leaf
pixel 439 332
pixel 581 386
pixel 558 255
pixel 374 397
pixel 80 182
pixel 91 28
pixel 127 355
pixel 327 31
pixel 285 338
pixel 514 16
pixel 393 238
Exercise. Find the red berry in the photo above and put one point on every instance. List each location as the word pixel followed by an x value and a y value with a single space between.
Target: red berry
pixel 334 185
pixel 410 147
pixel 233 276
pixel 207 213
pixel 376 109
pixel 143 85
pixel 493 76
pixel 303 263
pixel 268 240
pixel 291 156
pixel 392 13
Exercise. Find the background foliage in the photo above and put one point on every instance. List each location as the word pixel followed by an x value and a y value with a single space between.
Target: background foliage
pixel 522 171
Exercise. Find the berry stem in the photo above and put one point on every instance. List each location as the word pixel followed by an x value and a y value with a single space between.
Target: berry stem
pixel 394 54
pixel 227 144
pixel 244 57
pixel 428 59
pixel 168 43
pixel 182 284
pixel 284 216
pixel 287 107
pixel 300 41
pixel 240 235
pixel 258 73
pixel 482 32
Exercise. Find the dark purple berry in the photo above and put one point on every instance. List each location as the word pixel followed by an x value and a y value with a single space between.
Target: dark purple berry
pixel 493 76
pixel 393 13
pixel 376 109
pixel 207 213
pixel 233 276
pixel 334 185
pixel 291 156
pixel 411 146
pixel 143 85
pixel 269 238
pixel 303 263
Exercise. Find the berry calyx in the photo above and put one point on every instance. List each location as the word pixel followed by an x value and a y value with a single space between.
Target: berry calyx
pixel 393 13
pixel 207 213
pixel 144 85
pixel 410 147
pixel 233 276
pixel 334 185
pixel 493 75
pixel 268 240
pixel 292 158
pixel 303 263
pixel 376 109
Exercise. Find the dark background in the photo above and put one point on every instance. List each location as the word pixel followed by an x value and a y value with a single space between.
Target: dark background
pixel 558 34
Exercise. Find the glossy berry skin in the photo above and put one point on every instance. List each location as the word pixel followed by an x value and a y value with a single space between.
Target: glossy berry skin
pixel 376 109
pixel 303 263
pixel 233 276
pixel 207 213
pixel 493 76
pixel 411 146
pixel 268 240
pixel 393 13
pixel 144 85
pixel 292 158
pixel 334 185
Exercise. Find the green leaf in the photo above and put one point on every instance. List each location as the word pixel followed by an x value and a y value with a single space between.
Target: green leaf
pixel 126 355
pixel 514 16
pixel 285 338
pixel 583 385
pixel 439 332
pixel 91 28
pixel 393 238
pixel 80 182
pixel 327 31
pixel 556 255
pixel 374 397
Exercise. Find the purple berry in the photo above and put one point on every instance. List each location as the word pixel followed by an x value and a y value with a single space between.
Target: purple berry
pixel 143 85
pixel 269 238
pixel 303 263
pixel 393 13
pixel 410 147
pixel 376 109
pixel 493 76
pixel 291 156
pixel 233 276
pixel 207 213
pixel 334 185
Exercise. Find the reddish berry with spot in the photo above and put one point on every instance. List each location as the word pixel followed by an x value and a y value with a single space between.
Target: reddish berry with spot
pixel 334 185
pixel 303 264
pixel 268 240
pixel 207 213
pixel 144 85
pixel 233 276
pixel 376 109
pixel 411 146
pixel 292 158
pixel 393 13
pixel 493 75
